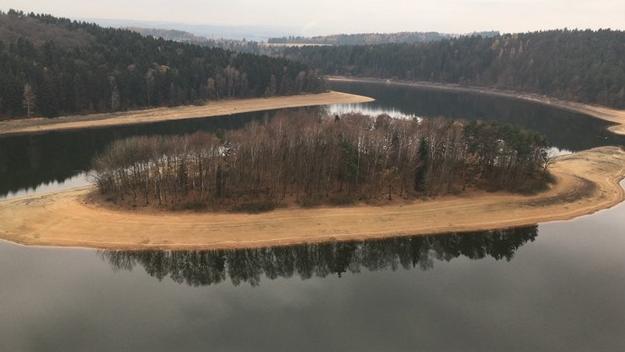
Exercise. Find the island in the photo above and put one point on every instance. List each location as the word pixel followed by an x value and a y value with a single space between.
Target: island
pixel 232 191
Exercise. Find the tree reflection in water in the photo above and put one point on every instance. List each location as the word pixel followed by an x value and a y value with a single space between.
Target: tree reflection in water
pixel 208 267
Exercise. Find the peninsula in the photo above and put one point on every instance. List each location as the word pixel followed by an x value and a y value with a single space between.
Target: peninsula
pixel 210 109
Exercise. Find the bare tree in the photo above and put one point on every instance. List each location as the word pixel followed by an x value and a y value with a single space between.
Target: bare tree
pixel 313 160
pixel 29 100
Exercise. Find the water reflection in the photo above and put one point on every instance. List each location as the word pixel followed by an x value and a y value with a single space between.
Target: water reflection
pixel 564 129
pixel 200 268
pixel 368 109
pixel 30 161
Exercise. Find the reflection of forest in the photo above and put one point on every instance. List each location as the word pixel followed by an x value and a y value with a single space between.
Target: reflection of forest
pixel 563 129
pixel 29 160
pixel 197 268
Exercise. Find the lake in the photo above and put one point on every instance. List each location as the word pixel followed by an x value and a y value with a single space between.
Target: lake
pixel 549 287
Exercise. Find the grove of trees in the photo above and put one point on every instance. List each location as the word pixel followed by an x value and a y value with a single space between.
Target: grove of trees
pixel 321 159
pixel 53 66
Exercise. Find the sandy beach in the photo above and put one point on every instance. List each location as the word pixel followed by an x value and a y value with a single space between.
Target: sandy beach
pixel 211 109
pixel 586 182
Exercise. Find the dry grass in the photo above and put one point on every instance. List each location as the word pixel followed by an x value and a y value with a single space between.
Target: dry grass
pixel 586 182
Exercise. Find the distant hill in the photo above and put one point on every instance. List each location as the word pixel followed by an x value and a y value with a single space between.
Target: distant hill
pixel 170 34
pixel 14 27
pixel 373 38
pixel 241 46
pixel 53 66
pixel 250 33
pixel 586 66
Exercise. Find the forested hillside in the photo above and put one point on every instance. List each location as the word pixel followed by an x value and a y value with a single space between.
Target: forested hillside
pixel 53 66
pixel 587 66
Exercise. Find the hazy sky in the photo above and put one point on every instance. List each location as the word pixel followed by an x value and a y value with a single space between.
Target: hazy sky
pixel 332 16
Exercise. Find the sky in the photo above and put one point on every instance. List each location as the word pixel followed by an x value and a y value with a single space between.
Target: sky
pixel 316 17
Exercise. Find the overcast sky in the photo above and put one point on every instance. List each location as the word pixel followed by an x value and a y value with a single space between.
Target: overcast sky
pixel 311 17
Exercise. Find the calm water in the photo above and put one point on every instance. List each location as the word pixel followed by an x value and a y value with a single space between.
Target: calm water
pixel 563 129
pixel 49 161
pixel 551 287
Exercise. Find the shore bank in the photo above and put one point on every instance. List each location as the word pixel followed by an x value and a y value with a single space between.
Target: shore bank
pixel 211 109
pixel 586 182
pixel 617 117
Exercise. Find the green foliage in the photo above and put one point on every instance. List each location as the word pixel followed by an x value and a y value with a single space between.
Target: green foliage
pixel 422 166
pixel 350 161
pixel 587 66
pixel 507 155
pixel 87 68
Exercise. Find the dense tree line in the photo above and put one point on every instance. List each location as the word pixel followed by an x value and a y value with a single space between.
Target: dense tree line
pixel 198 268
pixel 587 66
pixel 52 66
pixel 321 159
pixel 372 38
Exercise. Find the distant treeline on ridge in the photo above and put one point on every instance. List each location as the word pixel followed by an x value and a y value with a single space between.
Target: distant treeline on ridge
pixel 53 66
pixel 586 66
pixel 374 38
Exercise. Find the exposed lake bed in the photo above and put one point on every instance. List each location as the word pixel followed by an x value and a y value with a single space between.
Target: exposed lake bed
pixel 213 108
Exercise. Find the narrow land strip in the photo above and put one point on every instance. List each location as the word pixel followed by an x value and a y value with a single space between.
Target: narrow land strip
pixel 586 182
pixel 617 117
pixel 211 109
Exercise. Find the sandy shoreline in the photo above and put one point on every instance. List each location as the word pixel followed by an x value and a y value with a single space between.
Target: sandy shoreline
pixel 587 182
pixel 211 109
pixel 617 117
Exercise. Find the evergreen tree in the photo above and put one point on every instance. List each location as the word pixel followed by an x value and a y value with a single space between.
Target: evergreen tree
pixel 77 67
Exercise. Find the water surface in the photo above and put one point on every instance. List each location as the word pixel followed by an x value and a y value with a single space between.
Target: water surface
pixel 552 287
pixel 555 287
pixel 29 162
